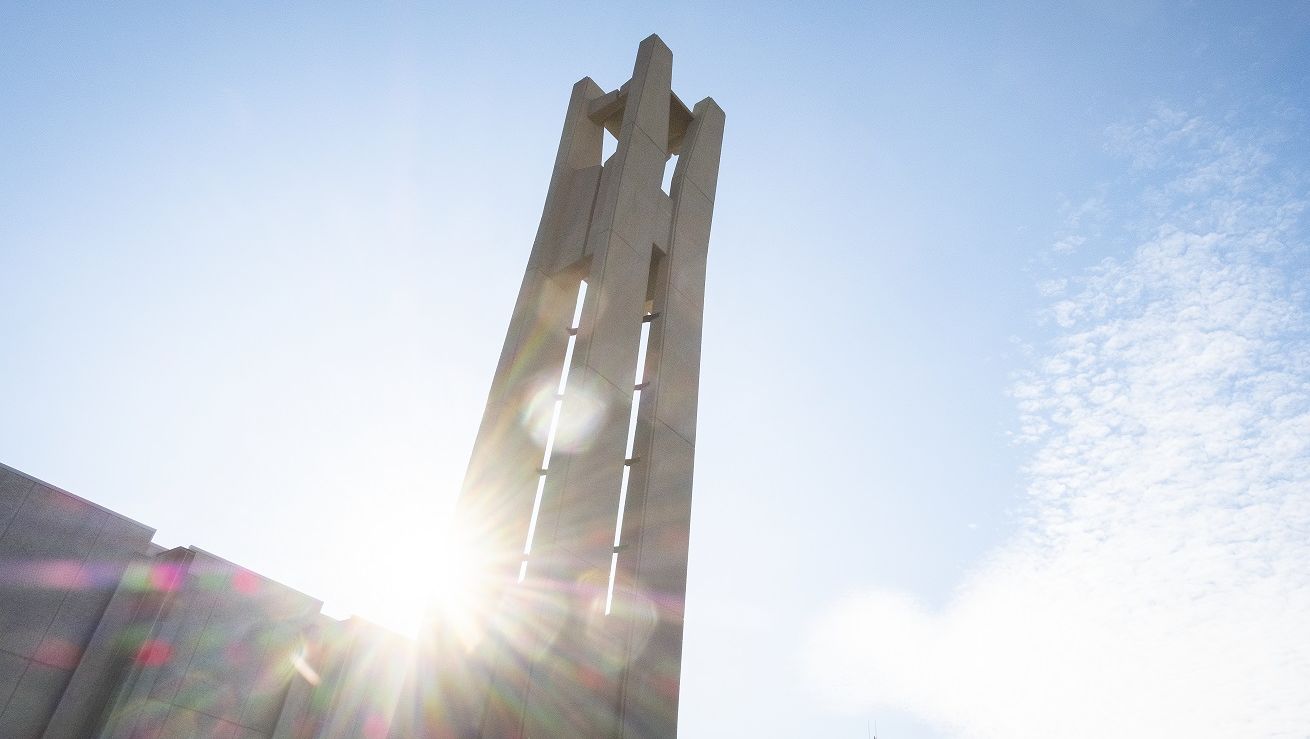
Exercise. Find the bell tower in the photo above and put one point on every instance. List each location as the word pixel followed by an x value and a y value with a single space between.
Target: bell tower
pixel 579 486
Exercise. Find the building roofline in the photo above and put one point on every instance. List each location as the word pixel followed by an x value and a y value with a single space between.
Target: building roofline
pixel 80 499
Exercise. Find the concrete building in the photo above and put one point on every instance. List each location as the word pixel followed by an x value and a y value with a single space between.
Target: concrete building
pixel 583 511
pixel 578 499
pixel 104 634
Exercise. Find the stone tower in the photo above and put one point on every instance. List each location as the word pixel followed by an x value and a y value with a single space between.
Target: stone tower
pixel 579 486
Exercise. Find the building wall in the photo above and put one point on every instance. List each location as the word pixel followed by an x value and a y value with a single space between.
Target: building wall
pixel 61 560
pixel 104 634
pixel 210 651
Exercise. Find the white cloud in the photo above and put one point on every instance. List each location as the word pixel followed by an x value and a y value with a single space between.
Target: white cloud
pixel 1052 287
pixel 1068 244
pixel 1160 586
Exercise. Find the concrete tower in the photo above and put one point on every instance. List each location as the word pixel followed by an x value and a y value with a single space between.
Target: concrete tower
pixel 579 486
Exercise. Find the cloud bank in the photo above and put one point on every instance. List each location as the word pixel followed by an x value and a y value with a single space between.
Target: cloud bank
pixel 1160 585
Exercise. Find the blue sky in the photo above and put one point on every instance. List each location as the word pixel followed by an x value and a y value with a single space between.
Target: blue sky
pixel 1004 373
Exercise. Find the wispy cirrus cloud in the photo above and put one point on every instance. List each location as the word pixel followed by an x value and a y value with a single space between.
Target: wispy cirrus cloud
pixel 1160 585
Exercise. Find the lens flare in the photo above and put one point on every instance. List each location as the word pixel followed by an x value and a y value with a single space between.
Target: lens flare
pixel 580 413
pixel 303 667
pixel 459 584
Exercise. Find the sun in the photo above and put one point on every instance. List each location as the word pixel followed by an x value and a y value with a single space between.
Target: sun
pixel 423 577
pixel 457 596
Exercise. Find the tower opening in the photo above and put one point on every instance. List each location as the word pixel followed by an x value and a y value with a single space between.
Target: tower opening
pixel 553 429
pixel 669 166
pixel 608 145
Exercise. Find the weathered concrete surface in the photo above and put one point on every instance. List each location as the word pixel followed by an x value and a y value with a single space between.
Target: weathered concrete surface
pixel 104 634
pixel 61 559
pixel 568 648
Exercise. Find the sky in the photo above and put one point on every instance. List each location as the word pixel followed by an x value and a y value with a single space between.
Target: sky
pixel 1005 390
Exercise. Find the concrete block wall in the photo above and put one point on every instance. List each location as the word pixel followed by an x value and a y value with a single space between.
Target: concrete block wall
pixel 364 689
pixel 212 651
pixel 61 560
pixel 105 634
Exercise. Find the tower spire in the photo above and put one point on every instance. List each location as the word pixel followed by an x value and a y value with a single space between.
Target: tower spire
pixel 579 485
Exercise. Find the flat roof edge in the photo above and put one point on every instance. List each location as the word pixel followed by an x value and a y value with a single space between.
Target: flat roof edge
pixel 80 499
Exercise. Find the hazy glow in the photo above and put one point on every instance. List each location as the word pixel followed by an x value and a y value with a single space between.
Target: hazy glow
pixel 458 585
pixel 304 669
pixel 431 569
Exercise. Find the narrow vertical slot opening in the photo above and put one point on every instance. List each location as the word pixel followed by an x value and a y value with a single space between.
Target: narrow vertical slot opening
pixel 670 165
pixel 536 511
pixel 609 592
pixel 573 338
pixel 629 448
pixel 550 435
pixel 623 503
pixel 608 146
pixel 577 307
pixel 632 425
pixel 532 525
pixel 549 449
pixel 568 360
pixel 641 353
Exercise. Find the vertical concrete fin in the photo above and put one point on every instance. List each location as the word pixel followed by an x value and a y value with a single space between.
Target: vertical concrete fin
pixel 701 148
pixel 625 200
pixel 580 146
pixel 695 180
pixel 553 658
pixel 649 91
pixel 655 570
pixel 496 502
pixel 501 473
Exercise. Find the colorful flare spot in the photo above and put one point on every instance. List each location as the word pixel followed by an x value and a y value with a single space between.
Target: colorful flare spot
pixel 60 574
pixel 164 577
pixel 137 577
pixel 573 428
pixel 376 727
pixel 245 582
pixel 154 653
pixel 237 653
pixel 210 580
pixel 303 667
pixel 58 653
pixel 590 678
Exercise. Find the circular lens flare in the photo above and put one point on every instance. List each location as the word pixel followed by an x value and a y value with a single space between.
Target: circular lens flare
pixel 568 430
